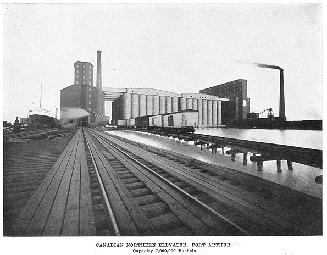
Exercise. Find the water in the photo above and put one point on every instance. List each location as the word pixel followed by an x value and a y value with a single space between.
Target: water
pixel 299 138
pixel 301 178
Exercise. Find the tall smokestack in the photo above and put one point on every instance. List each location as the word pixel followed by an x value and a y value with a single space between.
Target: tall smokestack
pixel 99 84
pixel 282 116
pixel 281 96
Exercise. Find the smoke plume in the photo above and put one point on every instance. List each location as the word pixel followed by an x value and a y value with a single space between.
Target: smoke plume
pixel 69 113
pixel 267 66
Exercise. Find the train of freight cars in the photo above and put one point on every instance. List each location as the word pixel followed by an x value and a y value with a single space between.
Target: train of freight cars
pixel 180 122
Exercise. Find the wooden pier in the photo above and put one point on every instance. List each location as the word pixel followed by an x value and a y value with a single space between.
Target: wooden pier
pixel 266 151
pixel 102 185
pixel 62 203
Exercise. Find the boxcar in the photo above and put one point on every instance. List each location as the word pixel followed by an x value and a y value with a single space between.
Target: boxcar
pixel 155 121
pixel 181 119
pixel 142 121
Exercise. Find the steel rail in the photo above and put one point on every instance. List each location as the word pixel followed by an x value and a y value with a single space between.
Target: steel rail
pixel 104 193
pixel 206 207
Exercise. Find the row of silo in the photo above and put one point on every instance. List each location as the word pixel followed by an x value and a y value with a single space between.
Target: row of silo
pixel 209 111
pixel 137 105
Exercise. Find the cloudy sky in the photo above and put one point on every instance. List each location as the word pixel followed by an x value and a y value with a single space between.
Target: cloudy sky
pixel 174 47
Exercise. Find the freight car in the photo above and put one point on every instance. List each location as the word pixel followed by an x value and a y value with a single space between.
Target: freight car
pixel 180 119
pixel 180 122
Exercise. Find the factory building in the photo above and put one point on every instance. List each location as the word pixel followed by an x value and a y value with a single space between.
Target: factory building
pixel 236 91
pixel 77 97
pixel 131 103
pixel 83 95
pixel 213 107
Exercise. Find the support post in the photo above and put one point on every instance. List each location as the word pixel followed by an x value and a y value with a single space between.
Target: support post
pixel 245 158
pixel 233 156
pixel 223 150
pixel 260 166
pixel 289 165
pixel 214 148
pixel 279 168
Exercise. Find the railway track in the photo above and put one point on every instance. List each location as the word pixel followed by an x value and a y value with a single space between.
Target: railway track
pixel 161 195
pixel 151 200
pixel 105 185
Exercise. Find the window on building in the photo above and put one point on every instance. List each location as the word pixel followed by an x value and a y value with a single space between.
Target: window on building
pixel 77 82
pixel 76 76
pixel 90 109
pixel 83 76
pixel 90 83
pixel 77 71
pixel 90 89
pixel 89 95
pixel 89 102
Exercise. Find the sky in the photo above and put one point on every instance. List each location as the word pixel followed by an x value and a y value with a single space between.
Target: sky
pixel 175 47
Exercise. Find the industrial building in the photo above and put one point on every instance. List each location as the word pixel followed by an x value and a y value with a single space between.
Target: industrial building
pixel 238 106
pixel 131 103
pixel 214 106
pixel 78 97
pixel 82 95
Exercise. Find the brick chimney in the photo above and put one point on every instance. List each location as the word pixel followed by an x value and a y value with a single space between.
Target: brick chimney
pixel 99 84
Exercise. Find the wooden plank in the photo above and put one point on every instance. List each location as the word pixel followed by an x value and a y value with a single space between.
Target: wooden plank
pixel 137 214
pixel 56 216
pixel 71 217
pixel 87 221
pixel 48 215
pixel 124 220
pixel 33 203
pixel 71 222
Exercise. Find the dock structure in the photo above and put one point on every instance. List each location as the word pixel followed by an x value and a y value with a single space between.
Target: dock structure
pixel 102 184
pixel 62 204
pixel 261 151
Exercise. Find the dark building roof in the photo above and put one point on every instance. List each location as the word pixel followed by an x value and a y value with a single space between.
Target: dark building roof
pixel 81 62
